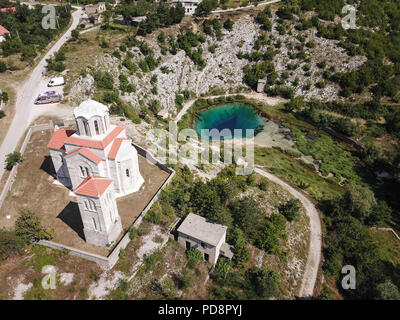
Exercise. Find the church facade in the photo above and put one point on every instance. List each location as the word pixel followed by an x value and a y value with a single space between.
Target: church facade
pixel 98 163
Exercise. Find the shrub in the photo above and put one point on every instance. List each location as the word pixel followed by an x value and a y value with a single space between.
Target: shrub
pixel 228 24
pixel 291 209
pixel 104 80
pixel 263 185
pixel 12 159
pixel 168 287
pixel 222 268
pixel 29 228
pixel 74 34
pixel 10 244
pixel 194 256
pixel 264 282
pixel 3 66
pixel 185 281
pixel 2 114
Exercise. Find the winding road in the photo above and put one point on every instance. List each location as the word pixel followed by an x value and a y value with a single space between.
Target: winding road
pixel 25 110
pixel 314 251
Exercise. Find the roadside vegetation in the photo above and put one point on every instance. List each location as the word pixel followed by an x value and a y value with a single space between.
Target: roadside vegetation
pixel 27 39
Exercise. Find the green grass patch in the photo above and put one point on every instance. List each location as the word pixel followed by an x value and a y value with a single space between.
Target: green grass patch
pixel 41 257
pixel 389 246
pixel 333 158
pixel 297 173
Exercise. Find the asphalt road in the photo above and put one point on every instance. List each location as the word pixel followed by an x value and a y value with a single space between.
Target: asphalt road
pixel 25 109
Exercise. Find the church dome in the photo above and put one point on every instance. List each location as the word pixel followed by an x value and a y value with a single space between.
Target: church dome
pixel 90 108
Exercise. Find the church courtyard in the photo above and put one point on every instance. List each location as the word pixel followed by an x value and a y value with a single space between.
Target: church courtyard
pixel 34 181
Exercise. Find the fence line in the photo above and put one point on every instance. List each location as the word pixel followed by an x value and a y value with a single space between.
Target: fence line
pixel 13 173
pixel 109 261
pixel 388 230
pixel 112 258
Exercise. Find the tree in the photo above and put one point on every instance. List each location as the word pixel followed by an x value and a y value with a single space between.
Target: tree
pixel 291 209
pixel 388 291
pixel 10 244
pixel 379 213
pixel 205 7
pixel 325 293
pixel 12 159
pixel 265 282
pixel 28 53
pixel 185 281
pixel 3 66
pixel 263 185
pixel 248 216
pixel 223 267
pixel 74 35
pixel 228 25
pixel 194 256
pixel 242 254
pixel 29 228
pixel 359 201
pixel 269 240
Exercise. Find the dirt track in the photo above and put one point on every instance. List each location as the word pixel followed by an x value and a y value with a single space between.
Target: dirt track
pixel 314 251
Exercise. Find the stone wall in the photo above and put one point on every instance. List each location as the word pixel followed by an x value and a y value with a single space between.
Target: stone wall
pixel 13 172
pixel 109 261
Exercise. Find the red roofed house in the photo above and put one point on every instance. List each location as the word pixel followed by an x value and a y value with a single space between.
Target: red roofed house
pixel 3 33
pixel 12 9
pixel 98 163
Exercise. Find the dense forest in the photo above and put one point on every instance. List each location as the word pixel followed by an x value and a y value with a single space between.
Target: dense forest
pixel 158 15
pixel 27 36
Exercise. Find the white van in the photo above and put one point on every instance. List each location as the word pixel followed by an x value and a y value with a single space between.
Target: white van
pixel 56 82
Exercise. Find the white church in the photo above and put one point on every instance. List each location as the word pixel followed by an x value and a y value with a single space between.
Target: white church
pixel 99 164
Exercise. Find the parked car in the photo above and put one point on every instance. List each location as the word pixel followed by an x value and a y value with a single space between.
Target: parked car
pixel 48 97
pixel 56 82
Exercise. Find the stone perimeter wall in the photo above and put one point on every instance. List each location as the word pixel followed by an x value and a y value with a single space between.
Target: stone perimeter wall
pixel 109 261
pixel 13 172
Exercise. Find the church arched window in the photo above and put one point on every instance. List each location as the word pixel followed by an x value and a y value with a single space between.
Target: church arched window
pixel 96 126
pixel 127 172
pixel 94 224
pixel 85 124
pixel 92 205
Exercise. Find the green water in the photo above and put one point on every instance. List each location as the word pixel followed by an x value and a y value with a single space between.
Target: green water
pixel 228 116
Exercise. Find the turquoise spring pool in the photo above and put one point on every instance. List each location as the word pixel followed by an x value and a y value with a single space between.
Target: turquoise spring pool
pixel 228 116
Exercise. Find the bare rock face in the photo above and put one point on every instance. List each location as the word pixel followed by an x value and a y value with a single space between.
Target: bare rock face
pixel 224 70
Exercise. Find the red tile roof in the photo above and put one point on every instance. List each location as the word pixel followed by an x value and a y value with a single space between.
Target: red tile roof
pixel 87 153
pixel 115 148
pixel 93 186
pixel 3 31
pixel 100 144
pixel 13 9
pixel 58 139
